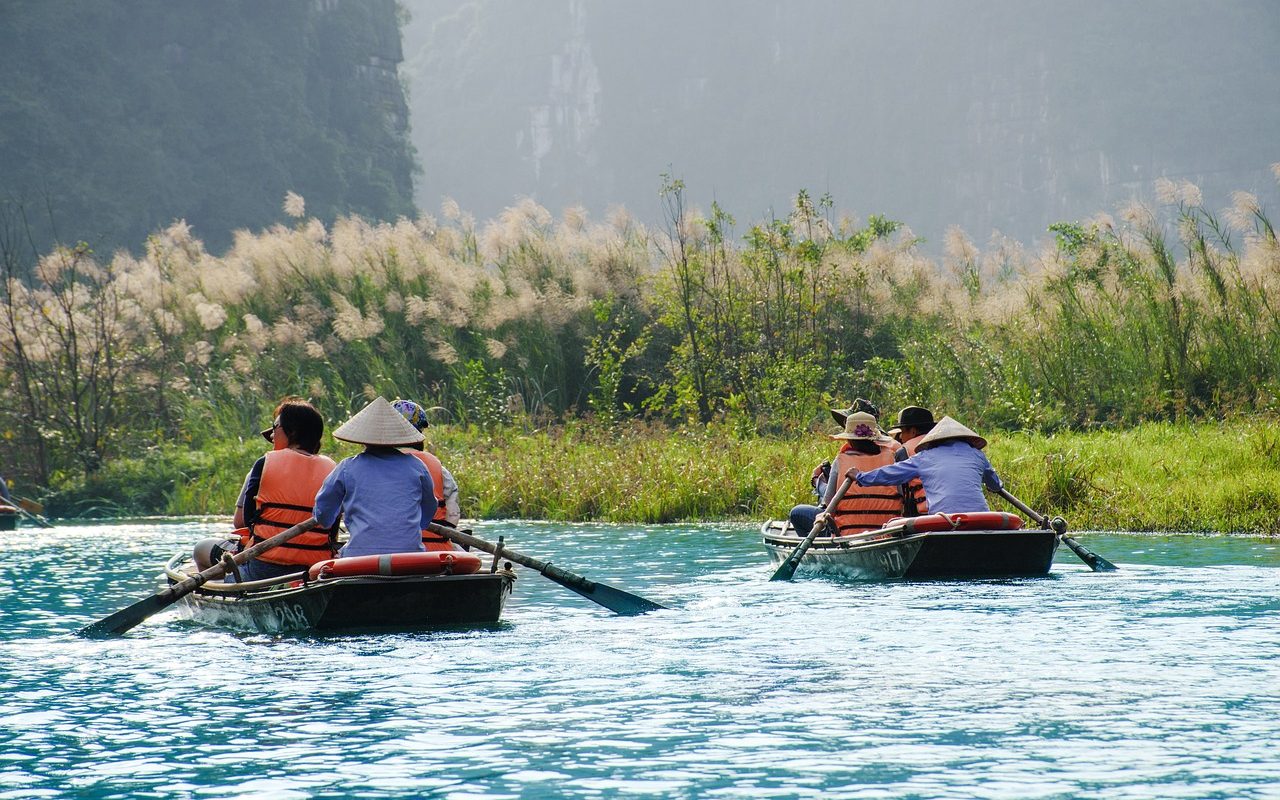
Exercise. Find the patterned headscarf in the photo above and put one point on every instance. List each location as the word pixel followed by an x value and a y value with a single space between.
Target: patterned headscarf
pixel 416 414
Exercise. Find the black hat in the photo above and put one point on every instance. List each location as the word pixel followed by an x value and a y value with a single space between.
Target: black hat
pixel 865 406
pixel 913 417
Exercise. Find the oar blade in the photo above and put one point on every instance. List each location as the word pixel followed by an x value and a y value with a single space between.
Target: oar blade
pixel 124 620
pixel 1096 562
pixel 611 597
pixel 787 568
pixel 617 601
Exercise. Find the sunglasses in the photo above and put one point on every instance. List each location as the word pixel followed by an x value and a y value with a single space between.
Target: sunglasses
pixel 270 433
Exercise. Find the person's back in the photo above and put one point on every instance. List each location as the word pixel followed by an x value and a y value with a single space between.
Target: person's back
pixel 952 474
pixel 951 466
pixel 861 509
pixel 865 508
pixel 385 495
pixel 286 492
pixel 382 501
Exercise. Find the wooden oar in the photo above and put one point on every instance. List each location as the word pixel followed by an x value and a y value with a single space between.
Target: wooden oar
pixel 31 510
pixel 120 622
pixel 610 597
pixel 788 567
pixel 1059 525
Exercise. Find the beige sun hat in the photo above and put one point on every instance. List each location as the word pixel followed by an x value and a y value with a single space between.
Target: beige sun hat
pixel 859 425
pixel 947 429
pixel 378 424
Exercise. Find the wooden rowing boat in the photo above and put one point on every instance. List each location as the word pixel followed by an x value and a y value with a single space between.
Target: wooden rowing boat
pixel 896 552
pixel 8 517
pixel 300 602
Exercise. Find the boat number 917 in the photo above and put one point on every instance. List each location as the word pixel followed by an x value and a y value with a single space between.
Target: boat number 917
pixel 891 560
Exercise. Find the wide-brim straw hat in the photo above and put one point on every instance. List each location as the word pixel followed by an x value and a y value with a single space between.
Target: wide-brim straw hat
pixel 379 424
pixel 948 429
pixel 913 417
pixel 859 425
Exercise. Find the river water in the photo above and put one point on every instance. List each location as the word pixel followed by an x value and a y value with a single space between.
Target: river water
pixel 1161 680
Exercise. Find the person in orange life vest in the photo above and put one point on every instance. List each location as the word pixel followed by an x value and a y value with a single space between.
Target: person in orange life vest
pixel 279 492
pixel 860 509
pixel 822 473
pixel 913 423
pixel 446 487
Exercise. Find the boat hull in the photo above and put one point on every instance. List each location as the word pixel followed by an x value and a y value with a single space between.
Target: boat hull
pixel 365 602
pixel 8 519
pixel 920 556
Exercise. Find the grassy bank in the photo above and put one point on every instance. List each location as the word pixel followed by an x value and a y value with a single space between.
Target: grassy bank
pixel 1157 476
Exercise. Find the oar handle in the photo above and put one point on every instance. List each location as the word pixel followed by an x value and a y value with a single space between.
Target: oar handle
pixel 611 597
pixel 1023 507
pixel 41 521
pixel 189 585
pixel 1059 526
pixel 544 567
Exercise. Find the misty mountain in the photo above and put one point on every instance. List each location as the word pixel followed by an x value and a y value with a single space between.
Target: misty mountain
pixel 991 114
pixel 119 116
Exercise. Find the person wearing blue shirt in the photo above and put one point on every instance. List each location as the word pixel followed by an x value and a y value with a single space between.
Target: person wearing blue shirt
pixel 385 495
pixel 950 464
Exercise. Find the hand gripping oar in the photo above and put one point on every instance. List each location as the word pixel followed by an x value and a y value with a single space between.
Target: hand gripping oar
pixel 1059 526
pixel 788 567
pixel 610 597
pixel 120 622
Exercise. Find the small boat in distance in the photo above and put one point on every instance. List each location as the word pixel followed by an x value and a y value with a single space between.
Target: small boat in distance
pixel 979 545
pixel 400 590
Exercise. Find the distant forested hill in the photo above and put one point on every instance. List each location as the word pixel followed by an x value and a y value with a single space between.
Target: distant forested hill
pixel 119 116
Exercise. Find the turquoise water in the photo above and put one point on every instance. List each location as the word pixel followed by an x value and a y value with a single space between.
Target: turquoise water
pixel 1157 681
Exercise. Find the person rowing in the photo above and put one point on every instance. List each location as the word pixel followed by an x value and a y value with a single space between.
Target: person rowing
pixel 865 509
pixel 949 463
pixel 386 495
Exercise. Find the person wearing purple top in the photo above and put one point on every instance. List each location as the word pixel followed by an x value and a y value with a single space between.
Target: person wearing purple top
pixel 386 496
pixel 950 464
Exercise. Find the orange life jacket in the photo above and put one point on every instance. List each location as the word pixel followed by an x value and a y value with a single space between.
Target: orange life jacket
pixel 915 489
pixel 865 508
pixel 431 540
pixel 286 496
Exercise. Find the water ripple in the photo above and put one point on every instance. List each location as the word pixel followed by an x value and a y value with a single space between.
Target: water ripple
pixel 1158 681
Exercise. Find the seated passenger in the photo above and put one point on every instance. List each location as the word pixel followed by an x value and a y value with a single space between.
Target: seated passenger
pixel 447 512
pixel 277 494
pixel 860 509
pixel 386 495
pixel 950 464
pixel 913 423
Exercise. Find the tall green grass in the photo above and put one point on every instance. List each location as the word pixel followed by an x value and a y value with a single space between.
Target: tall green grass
pixel 712 333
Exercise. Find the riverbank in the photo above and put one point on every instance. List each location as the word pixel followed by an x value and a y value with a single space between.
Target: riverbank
pixel 1154 477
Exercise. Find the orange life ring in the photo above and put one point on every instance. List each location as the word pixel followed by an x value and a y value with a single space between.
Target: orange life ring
pixel 967 521
pixel 435 562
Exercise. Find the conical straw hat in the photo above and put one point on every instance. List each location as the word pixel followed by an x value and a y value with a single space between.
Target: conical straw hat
pixel 378 424
pixel 947 429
